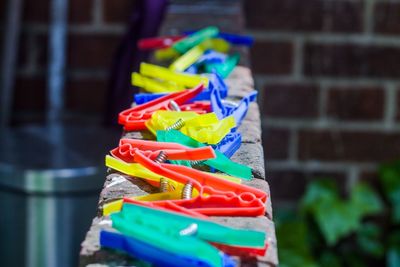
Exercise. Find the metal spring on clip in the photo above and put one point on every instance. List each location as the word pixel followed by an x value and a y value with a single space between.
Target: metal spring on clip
pixel 196 162
pixel 187 191
pixel 164 185
pixel 161 157
pixel 176 126
pixel 174 106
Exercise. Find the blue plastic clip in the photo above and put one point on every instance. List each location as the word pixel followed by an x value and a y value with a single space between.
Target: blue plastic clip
pixel 230 144
pixel 211 56
pixel 159 257
pixel 235 39
pixel 215 81
pixel 224 108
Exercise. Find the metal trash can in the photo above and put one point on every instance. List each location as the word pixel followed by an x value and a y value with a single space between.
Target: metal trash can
pixel 49 187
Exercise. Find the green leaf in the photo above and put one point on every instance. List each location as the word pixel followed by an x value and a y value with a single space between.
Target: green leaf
pixel 393 257
pixel 290 258
pixel 334 217
pixel 293 247
pixel 329 259
pixel 368 240
pixel 365 201
pixel 390 180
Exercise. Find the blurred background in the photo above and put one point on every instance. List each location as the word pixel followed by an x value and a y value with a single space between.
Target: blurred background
pixel 327 72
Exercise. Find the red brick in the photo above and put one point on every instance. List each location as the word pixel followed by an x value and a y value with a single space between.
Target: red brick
pixel 117 11
pixel 39 11
pixel 36 11
pixel 310 15
pixel 290 101
pixel 275 142
pixel 354 146
pixel 290 185
pixel 29 94
pixel 91 51
pixel 86 96
pixel 352 61
pixel 80 11
pixel 356 103
pixel 272 57
pixel 386 18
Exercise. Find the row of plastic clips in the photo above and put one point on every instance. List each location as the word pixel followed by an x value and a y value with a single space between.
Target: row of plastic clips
pixel 194 122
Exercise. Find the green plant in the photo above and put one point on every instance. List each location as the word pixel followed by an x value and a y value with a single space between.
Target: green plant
pixel 330 230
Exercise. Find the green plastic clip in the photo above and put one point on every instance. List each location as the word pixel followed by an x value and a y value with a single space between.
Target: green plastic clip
pixel 194 39
pixel 221 162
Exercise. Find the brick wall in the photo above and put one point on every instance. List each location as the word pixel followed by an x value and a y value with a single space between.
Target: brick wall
pixel 95 29
pixel 327 72
pixel 329 75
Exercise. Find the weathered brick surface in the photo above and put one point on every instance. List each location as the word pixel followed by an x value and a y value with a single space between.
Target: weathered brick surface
pixel 290 101
pixel 348 146
pixel 311 15
pixel 272 57
pixel 358 103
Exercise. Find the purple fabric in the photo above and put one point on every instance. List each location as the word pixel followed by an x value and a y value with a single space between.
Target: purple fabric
pixel 144 22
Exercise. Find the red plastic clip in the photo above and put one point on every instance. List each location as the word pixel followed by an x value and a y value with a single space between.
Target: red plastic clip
pixel 217 197
pixel 129 147
pixel 134 118
pixel 158 42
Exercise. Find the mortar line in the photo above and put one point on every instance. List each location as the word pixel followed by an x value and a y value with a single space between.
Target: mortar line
pixel 97 12
pixel 328 38
pixel 368 20
pixel 314 124
pixel 298 58
pixel 293 145
pixel 356 81
pixel 352 178
pixel 390 104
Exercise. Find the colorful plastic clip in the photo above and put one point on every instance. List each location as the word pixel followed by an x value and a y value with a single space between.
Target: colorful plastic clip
pixel 227 108
pixel 187 59
pixel 158 42
pixel 158 255
pixel 154 86
pixel 181 79
pixel 217 197
pixel 194 39
pixel 205 128
pixel 134 118
pixel 230 144
pixel 235 39
pixel 239 241
pixel 215 81
pixel 221 162
pixel 225 68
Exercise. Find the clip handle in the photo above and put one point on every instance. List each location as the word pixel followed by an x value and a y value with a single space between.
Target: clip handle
pixel 158 42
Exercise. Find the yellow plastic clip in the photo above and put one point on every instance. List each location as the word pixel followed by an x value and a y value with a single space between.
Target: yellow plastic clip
pixel 165 54
pixel 154 86
pixel 161 120
pixel 217 44
pixel 205 128
pixel 210 133
pixel 187 59
pixel 181 79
